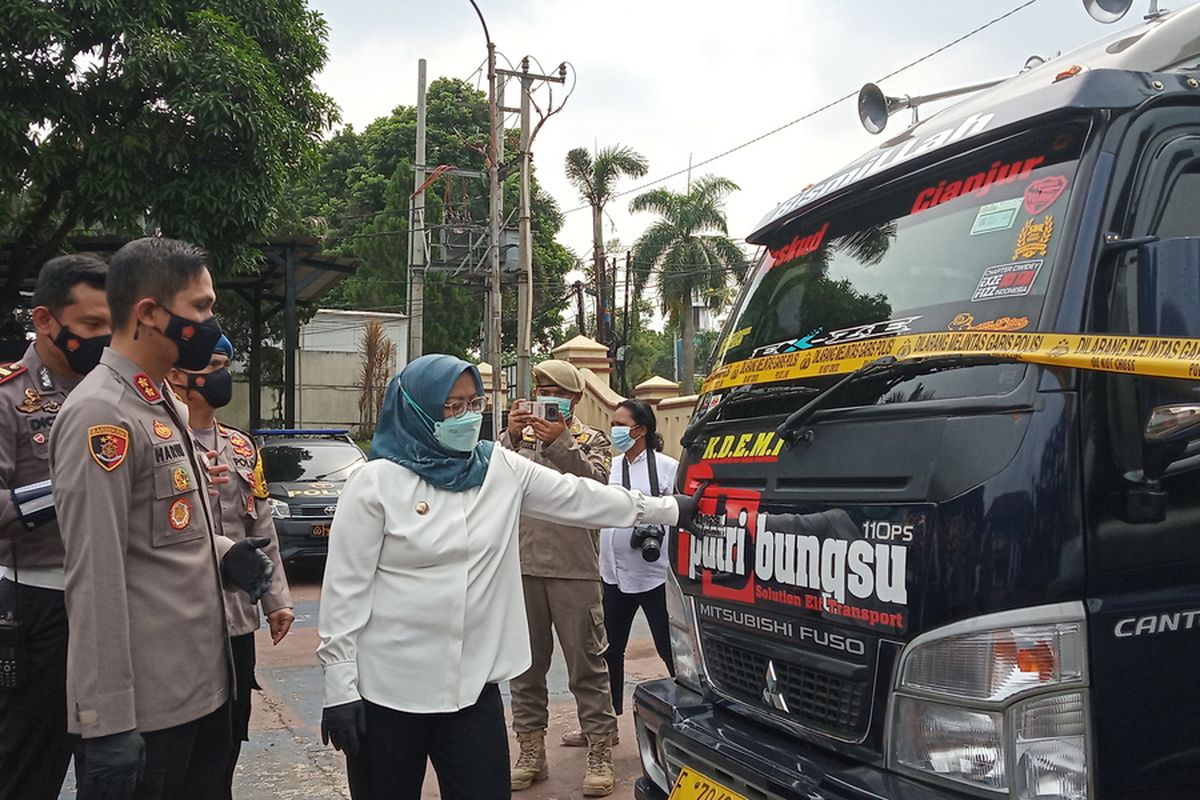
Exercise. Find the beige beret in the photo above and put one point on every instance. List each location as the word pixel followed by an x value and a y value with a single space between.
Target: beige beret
pixel 560 373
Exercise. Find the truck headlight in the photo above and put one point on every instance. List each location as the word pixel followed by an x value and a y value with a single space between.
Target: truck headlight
pixel 997 703
pixel 684 650
pixel 279 509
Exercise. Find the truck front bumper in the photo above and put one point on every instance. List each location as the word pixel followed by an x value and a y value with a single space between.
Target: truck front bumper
pixel 676 727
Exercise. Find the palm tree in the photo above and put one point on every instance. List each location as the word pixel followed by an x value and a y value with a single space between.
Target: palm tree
pixel 690 249
pixel 595 179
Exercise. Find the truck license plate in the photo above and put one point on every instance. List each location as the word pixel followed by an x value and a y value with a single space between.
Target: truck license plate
pixel 691 785
pixel 320 530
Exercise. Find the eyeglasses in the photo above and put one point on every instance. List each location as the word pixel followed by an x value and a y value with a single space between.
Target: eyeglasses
pixel 459 407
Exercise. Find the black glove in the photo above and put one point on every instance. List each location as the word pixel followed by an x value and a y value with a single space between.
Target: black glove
pixel 689 509
pixel 248 568
pixel 345 725
pixel 112 766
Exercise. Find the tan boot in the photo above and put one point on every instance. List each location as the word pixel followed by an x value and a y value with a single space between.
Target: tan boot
pixel 599 780
pixel 531 762
pixel 576 738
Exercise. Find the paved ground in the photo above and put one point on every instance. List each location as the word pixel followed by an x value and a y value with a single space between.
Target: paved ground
pixel 285 759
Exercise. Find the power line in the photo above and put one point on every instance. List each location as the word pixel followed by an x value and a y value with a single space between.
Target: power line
pixel 816 111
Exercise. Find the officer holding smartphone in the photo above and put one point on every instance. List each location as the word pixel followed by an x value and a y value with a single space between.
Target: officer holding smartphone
pixel 561 581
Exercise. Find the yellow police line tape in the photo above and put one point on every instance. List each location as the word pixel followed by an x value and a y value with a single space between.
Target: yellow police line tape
pixel 1158 357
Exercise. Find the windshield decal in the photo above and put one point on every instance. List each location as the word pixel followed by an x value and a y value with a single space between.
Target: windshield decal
pixel 1042 193
pixel 966 322
pixel 799 246
pixel 978 184
pixel 887 157
pixel 857 333
pixel 995 217
pixel 1005 281
pixel 1034 239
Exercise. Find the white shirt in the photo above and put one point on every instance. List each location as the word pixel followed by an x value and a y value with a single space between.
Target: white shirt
pixel 620 564
pixel 420 610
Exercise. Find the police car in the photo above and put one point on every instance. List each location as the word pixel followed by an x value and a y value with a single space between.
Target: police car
pixel 305 472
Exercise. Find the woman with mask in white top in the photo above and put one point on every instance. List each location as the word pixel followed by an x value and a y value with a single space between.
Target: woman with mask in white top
pixel 422 611
pixel 633 560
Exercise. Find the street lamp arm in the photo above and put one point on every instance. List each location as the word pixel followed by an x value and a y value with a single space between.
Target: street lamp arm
pixel 482 22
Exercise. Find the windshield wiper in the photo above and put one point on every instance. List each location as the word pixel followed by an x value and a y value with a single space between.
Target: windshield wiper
pixel 885 367
pixel 738 395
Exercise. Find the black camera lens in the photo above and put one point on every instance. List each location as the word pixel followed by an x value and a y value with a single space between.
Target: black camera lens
pixel 651 550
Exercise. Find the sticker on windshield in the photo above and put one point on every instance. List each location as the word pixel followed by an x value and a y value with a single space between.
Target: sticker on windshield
pixel 1042 193
pixel 966 322
pixel 799 246
pixel 1034 239
pixel 996 216
pixel 1004 281
pixel 818 338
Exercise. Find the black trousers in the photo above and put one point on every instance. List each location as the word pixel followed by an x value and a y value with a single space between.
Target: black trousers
pixel 244 659
pixel 619 611
pixel 468 748
pixel 186 762
pixel 35 747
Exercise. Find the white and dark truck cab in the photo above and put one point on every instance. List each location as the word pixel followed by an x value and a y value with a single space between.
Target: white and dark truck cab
pixel 951 455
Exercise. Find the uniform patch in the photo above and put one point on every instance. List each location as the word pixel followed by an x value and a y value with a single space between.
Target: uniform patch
pixel 258 483
pixel 249 504
pixel 180 514
pixel 181 479
pixel 162 431
pixel 39 438
pixel 240 446
pixel 10 371
pixel 45 379
pixel 583 438
pixel 108 444
pixel 146 388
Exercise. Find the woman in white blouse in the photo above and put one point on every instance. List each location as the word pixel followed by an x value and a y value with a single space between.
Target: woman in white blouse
pixel 421 608
pixel 633 565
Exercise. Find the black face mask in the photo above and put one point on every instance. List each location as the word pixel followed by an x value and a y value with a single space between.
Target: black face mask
pixel 195 340
pixel 82 352
pixel 215 387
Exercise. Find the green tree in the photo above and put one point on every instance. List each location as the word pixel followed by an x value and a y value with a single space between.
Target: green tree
pixel 186 116
pixel 595 179
pixel 688 249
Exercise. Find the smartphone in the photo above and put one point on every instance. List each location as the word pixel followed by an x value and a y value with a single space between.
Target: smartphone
pixel 546 410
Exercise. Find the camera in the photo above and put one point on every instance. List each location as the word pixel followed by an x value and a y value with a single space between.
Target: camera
pixel 648 539
pixel 545 409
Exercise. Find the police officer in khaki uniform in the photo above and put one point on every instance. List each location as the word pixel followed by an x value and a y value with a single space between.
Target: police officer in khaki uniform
pixel 240 510
pixel 148 668
pixel 71 320
pixel 561 576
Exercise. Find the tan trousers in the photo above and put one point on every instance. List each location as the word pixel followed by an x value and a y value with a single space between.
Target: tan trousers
pixel 575 610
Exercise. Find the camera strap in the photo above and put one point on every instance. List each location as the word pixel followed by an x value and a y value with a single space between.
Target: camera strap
pixel 651 466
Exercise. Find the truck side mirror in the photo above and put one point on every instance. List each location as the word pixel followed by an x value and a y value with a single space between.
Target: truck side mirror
pixel 1168 281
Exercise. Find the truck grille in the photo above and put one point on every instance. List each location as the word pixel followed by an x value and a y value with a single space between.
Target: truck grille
pixel 313 511
pixel 819 701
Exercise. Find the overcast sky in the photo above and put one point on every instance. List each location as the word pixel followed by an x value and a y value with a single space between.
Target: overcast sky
pixel 677 77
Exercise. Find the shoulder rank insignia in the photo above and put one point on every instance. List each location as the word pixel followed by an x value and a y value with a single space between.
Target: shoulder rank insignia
pixel 583 437
pixel 146 388
pixel 44 379
pixel 162 430
pixel 109 444
pixel 259 482
pixel 10 371
pixel 241 446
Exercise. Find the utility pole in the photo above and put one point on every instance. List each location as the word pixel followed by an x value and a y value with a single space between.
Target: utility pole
pixel 494 199
pixel 525 229
pixel 416 232
pixel 625 336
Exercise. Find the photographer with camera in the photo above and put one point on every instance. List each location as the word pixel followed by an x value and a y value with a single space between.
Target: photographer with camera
pixel 560 576
pixel 633 566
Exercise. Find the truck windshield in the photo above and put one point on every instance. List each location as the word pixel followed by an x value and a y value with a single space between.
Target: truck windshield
pixel 969 245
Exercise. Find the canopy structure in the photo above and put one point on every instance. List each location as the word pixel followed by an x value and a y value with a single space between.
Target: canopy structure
pixel 291 273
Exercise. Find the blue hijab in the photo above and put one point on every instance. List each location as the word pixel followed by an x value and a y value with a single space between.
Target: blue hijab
pixel 405 437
